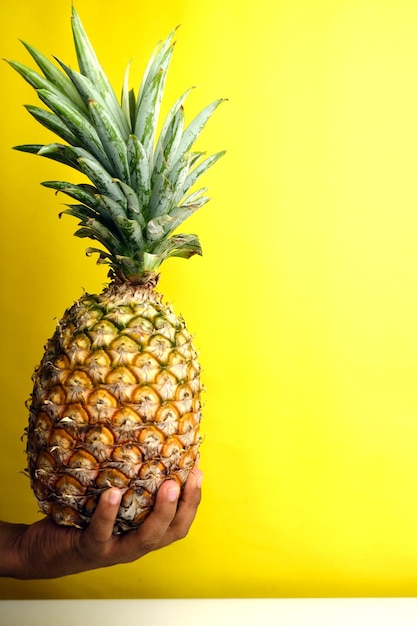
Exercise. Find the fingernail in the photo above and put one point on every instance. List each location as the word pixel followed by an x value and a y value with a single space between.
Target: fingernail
pixel 173 493
pixel 199 480
pixel 114 496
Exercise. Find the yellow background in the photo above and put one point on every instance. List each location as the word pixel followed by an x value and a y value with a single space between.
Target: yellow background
pixel 304 304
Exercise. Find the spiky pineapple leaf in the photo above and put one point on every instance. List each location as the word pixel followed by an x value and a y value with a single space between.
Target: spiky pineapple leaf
pixel 150 97
pixel 154 64
pixel 69 155
pixel 131 233
pixel 139 172
pixel 78 124
pixel 183 245
pixel 162 139
pixel 199 170
pixel 37 81
pixel 80 211
pixel 100 177
pixel 157 228
pixel 147 114
pixel 128 99
pixel 90 66
pixel 168 145
pixel 56 152
pixel 162 200
pixel 55 76
pixel 30 148
pixel 111 139
pixel 83 193
pixel 194 129
pixel 133 204
pixel 87 91
pixel 52 122
pixel 93 229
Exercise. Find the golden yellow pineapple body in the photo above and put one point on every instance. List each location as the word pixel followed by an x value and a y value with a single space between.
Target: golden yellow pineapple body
pixel 116 401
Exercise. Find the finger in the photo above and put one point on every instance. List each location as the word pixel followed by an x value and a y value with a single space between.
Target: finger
pixel 151 533
pixel 187 508
pixel 102 522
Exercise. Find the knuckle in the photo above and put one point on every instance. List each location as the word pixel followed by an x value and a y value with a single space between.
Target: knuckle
pixel 148 545
pixel 181 533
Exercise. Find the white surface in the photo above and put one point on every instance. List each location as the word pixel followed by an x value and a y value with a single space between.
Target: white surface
pixel 355 612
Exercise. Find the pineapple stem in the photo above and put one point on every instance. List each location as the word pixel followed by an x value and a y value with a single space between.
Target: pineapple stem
pixel 147 279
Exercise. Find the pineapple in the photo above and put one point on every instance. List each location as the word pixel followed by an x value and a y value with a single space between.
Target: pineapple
pixel 116 398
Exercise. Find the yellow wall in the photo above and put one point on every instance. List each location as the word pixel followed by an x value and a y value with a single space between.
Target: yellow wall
pixel 304 304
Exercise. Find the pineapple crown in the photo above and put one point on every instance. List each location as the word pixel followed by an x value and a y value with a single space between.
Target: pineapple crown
pixel 141 184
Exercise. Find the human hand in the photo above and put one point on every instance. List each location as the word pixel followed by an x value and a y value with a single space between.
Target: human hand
pixel 46 550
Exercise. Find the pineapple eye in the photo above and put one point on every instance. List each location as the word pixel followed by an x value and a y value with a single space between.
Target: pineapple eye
pixel 123 350
pixel 167 418
pixel 140 329
pixel 119 315
pixel 42 426
pixel 81 342
pixel 112 477
pixel 98 358
pixel 100 436
pixel 54 396
pixel 146 368
pixel 121 376
pixel 70 489
pixel 151 474
pixel 146 401
pixel 172 448
pixel 132 496
pixel 160 347
pixel 167 384
pixel 78 385
pixel 129 454
pixel 45 464
pixel 83 466
pixel 101 405
pixel 61 438
pixel 102 334
pixel 187 423
pixel 99 441
pixel 178 365
pixel 126 418
pixel 150 436
pixel 82 459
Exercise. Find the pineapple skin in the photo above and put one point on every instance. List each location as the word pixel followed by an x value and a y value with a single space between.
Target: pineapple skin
pixel 116 402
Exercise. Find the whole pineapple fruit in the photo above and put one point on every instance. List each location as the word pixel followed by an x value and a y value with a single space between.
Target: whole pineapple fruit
pixel 116 397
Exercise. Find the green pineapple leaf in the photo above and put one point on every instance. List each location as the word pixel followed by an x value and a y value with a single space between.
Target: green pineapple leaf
pixel 100 177
pixel 184 246
pixel 55 76
pixel 139 172
pixel 128 99
pixel 37 81
pixel 78 123
pixel 52 122
pixel 90 67
pixel 111 139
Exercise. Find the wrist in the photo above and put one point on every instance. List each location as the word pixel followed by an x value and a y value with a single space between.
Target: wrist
pixel 11 553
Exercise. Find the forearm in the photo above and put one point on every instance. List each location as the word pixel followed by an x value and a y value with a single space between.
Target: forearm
pixel 40 550
pixel 10 552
